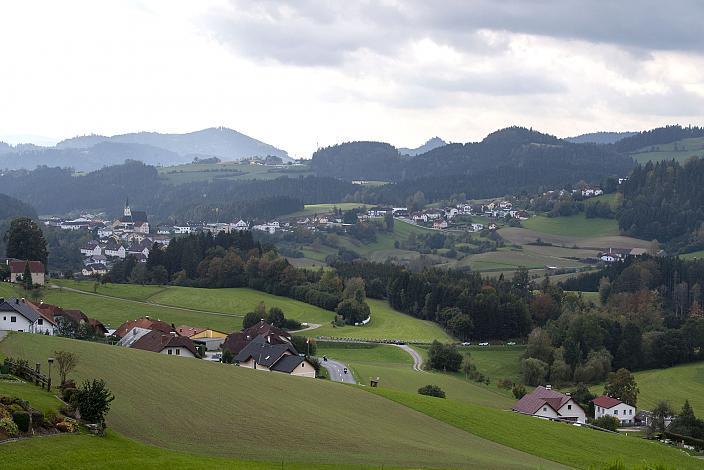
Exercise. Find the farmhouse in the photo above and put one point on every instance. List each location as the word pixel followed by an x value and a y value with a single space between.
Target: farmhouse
pixel 547 403
pixel 17 271
pixel 20 315
pixel 262 355
pixel 57 314
pixel 144 323
pixel 166 343
pixel 236 342
pixel 608 406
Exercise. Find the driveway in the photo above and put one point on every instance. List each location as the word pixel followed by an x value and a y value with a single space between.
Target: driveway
pixel 417 358
pixel 336 371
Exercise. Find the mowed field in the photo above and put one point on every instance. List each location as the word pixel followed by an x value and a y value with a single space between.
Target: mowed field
pixel 680 151
pixel 393 367
pixel 215 409
pixel 189 173
pixel 572 226
pixel 523 236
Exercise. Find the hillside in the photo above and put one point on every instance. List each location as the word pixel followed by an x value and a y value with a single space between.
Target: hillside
pixel 599 137
pixel 297 418
pixel 221 142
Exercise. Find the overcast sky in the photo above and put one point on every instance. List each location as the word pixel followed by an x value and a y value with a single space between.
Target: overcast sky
pixel 305 73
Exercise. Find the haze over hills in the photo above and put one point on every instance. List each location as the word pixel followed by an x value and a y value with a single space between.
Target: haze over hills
pixel 92 152
pixel 429 145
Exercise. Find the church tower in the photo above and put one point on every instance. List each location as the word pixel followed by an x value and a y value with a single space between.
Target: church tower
pixel 128 212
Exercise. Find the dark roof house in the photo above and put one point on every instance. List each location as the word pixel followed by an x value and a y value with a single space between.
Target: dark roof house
pixel 157 341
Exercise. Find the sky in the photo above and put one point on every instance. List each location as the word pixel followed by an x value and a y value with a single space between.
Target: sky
pixel 304 74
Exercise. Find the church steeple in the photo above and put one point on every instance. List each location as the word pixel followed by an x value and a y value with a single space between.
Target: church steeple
pixel 128 212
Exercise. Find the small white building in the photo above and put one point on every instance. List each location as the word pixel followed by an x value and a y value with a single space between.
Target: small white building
pixel 20 315
pixel 182 229
pixel 608 406
pixel 547 403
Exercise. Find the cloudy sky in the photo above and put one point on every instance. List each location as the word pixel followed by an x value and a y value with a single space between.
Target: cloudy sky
pixel 305 73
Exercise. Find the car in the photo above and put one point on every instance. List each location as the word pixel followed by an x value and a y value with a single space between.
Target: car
pixel 466 343
pixel 484 344
pixel 511 343
pixel 344 370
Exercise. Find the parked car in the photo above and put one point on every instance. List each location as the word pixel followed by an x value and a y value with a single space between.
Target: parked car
pixel 511 343
pixel 484 344
pixel 466 343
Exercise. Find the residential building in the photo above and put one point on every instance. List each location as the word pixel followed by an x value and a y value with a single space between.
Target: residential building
pixel 20 315
pixel 609 406
pixel 240 225
pixel 166 343
pixel 262 355
pixel 199 333
pixel 145 323
pixel 17 268
pixel 547 403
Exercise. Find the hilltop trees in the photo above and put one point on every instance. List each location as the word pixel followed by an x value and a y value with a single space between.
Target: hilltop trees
pixel 25 240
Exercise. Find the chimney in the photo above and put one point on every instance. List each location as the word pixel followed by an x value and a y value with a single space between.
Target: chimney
pixel 146 316
pixel 22 299
pixel 548 387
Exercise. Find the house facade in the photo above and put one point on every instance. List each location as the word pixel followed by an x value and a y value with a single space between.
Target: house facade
pixel 608 406
pixel 544 402
pixel 17 271
pixel 20 315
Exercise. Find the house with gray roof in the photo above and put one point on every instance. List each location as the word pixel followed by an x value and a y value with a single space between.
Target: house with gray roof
pixel 20 315
pixel 261 354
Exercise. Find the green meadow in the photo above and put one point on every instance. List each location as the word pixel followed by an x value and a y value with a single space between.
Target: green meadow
pixel 572 226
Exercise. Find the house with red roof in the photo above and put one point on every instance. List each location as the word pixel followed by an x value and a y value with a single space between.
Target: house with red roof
pixel 17 270
pixel 166 343
pixel 609 406
pixel 547 403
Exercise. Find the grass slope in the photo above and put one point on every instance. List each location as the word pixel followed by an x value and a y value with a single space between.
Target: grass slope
pixel 220 410
pixel 569 445
pixel 37 397
pixel 393 366
pixel 680 151
pixel 572 226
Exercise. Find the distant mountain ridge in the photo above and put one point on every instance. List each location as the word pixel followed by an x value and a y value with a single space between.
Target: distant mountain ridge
pixel 92 152
pixel 429 145
pixel 604 137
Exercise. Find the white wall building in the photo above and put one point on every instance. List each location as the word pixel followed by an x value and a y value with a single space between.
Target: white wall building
pixel 608 406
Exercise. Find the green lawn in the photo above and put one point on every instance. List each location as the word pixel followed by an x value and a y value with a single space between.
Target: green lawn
pixel 570 445
pixel 38 398
pixel 693 255
pixel 572 226
pixel 614 200
pixel 675 384
pixel 393 366
pixel 219 410
pixel 387 323
pixel 312 209
pixel 680 151
pixel 190 173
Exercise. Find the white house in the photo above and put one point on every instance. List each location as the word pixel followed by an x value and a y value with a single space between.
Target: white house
pixel 36 268
pixel 92 248
pixel 182 229
pixel 115 250
pixel 476 227
pixel 20 315
pixel 547 403
pixel 166 343
pixel 608 406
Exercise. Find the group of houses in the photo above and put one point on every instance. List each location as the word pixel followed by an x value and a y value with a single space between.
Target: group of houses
pixel 21 315
pixel 443 218
pixel 544 402
pixel 261 346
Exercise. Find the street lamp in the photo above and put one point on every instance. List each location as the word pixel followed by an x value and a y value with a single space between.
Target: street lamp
pixel 48 385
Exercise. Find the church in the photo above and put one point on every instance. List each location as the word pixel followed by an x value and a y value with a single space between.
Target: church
pixel 132 221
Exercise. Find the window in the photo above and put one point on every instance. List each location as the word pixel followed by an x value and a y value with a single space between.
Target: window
pixel 545 408
pixel 569 407
pixel 13 319
pixel 616 412
pixel 170 351
pixel 303 364
pixel 40 321
pixel 630 412
pixel 178 351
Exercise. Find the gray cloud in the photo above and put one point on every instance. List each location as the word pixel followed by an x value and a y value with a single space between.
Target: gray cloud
pixel 326 33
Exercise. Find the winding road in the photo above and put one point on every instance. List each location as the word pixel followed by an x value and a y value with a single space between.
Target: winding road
pixel 336 371
pixel 417 358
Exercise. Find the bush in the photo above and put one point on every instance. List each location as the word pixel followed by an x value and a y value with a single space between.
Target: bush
pixel 68 394
pixel 607 422
pixel 432 391
pixel 518 390
pixel 8 426
pixel 67 426
pixel 444 357
pixel 67 410
pixel 93 401
pixel 37 418
pixel 505 384
pixel 51 418
pixel 21 419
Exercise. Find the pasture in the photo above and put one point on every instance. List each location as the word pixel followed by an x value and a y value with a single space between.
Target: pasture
pixel 189 405
pixel 680 150
pixel 572 226
pixel 190 173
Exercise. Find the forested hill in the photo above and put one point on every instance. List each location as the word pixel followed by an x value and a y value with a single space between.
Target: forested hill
pixel 661 135
pixel 106 189
pixel 11 208
pixel 665 201
pixel 508 161
pixel 599 137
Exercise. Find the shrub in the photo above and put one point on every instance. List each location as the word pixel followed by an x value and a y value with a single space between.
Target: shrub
pixel 8 426
pixel 15 407
pixel 444 357
pixel 51 418
pixel 67 394
pixel 518 390
pixel 432 391
pixel 21 419
pixel 607 422
pixel 67 426
pixel 93 401
pixel 505 384
pixel 67 410
pixel 37 418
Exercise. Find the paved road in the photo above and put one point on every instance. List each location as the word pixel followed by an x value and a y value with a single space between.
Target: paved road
pixel 417 358
pixel 335 370
pixel 311 326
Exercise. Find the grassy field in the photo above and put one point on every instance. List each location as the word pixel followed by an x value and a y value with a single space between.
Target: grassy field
pixel 675 384
pixel 215 409
pixel 387 323
pixel 393 367
pixel 693 255
pixel 312 209
pixel 38 398
pixel 523 236
pixel 572 226
pixel 511 259
pixel 680 151
pixel 570 445
pixel 229 170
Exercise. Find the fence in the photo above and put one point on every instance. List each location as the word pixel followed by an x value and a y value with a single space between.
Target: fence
pixel 22 370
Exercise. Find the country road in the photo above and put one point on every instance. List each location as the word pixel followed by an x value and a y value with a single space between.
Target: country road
pixel 336 371
pixel 417 358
